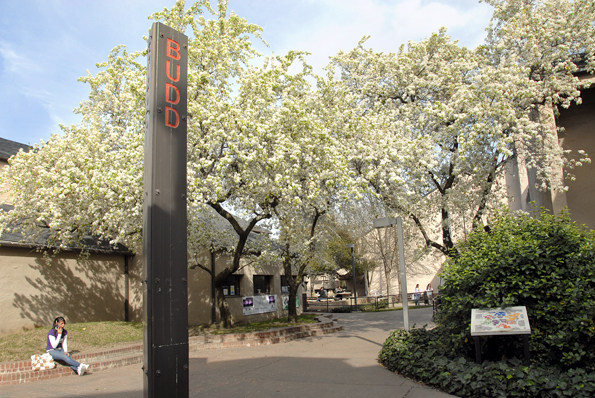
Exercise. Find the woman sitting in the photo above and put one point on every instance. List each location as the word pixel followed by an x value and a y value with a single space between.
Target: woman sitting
pixel 57 346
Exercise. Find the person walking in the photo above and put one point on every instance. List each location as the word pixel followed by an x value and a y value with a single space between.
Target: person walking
pixel 57 346
pixel 417 294
pixel 429 294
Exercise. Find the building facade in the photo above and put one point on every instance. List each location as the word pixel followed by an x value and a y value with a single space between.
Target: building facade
pixel 105 284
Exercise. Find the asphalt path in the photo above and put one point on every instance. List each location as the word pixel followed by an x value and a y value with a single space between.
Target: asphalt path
pixel 340 365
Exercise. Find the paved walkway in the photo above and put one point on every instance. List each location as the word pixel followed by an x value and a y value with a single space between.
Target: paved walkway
pixel 336 365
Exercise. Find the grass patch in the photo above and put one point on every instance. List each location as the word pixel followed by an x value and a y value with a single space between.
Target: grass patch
pixel 89 336
pixel 372 308
pixel 93 336
pixel 251 327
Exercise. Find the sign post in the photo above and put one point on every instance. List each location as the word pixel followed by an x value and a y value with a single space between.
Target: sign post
pixel 387 222
pixel 165 274
pixel 352 247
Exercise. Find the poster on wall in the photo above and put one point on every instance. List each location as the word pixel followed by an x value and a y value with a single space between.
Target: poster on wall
pixel 286 302
pixel 259 304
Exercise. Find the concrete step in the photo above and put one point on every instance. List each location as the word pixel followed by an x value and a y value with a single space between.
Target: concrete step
pixel 20 371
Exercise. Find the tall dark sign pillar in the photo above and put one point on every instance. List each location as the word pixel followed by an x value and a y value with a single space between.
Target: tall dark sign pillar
pixel 165 285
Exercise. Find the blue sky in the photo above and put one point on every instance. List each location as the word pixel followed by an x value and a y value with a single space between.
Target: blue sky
pixel 46 45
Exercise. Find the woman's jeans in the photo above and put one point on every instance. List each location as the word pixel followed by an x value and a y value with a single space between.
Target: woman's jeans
pixel 58 355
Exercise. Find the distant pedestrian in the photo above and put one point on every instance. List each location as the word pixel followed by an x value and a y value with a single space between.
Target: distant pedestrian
pixel 57 346
pixel 429 294
pixel 417 294
pixel 322 294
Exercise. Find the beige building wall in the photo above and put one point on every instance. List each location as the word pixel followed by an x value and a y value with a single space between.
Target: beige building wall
pixel 421 268
pixel 135 288
pixel 419 272
pixel 35 289
pixel 579 133
pixel 4 195
pixel 200 297
pixel 247 289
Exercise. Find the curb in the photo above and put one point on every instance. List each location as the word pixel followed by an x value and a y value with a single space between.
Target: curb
pixel 20 371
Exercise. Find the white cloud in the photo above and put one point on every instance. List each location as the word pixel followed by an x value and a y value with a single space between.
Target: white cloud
pixel 336 26
pixel 62 38
pixel 16 62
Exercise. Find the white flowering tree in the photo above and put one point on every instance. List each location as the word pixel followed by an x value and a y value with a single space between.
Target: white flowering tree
pixel 254 136
pixel 89 179
pixel 532 51
pixel 224 154
pixel 313 173
pixel 430 126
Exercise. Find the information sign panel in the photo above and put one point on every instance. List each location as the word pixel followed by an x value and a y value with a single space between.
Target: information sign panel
pixel 497 321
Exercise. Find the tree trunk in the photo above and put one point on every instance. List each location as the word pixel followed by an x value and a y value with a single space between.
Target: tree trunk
pixel 292 315
pixel 225 319
pixel 388 290
pixel 213 290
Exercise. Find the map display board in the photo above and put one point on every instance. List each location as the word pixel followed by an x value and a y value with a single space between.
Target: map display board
pixel 495 321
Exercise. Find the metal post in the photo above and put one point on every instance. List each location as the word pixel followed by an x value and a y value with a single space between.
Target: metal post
pixel 165 290
pixel 353 270
pixel 213 289
pixel 477 349
pixel 403 274
pixel 526 352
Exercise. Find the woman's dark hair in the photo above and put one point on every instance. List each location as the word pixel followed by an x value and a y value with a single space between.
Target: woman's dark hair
pixel 56 321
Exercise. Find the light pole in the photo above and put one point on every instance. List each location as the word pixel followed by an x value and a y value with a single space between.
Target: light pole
pixel 351 246
pixel 387 222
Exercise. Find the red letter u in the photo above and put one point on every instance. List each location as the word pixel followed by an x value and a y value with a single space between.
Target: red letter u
pixel 167 71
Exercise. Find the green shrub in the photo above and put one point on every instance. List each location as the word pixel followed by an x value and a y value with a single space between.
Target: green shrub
pixel 381 305
pixel 545 264
pixel 344 308
pixel 373 307
pixel 419 355
pixel 367 308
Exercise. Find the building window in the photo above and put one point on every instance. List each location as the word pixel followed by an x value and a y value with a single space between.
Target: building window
pixel 262 284
pixel 231 286
pixel 284 285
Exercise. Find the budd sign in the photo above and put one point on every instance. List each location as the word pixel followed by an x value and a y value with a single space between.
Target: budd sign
pixel 165 275
pixel 172 92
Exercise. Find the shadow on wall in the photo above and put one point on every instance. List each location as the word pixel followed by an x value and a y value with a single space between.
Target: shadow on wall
pixel 200 303
pixel 135 289
pixel 80 290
